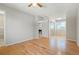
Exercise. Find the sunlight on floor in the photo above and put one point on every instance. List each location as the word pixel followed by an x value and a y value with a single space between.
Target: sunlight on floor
pixel 58 42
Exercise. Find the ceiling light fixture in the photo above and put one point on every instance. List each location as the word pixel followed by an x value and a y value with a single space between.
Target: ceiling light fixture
pixel 35 4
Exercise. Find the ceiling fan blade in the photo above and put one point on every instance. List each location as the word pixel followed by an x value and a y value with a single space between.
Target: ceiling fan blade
pixel 39 5
pixel 30 5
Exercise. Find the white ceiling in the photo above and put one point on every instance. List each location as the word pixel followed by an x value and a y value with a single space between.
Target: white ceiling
pixel 49 9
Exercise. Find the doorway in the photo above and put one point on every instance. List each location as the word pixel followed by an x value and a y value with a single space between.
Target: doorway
pixel 57 33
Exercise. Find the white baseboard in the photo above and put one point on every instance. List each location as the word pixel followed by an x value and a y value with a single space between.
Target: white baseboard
pixel 19 42
pixel 71 40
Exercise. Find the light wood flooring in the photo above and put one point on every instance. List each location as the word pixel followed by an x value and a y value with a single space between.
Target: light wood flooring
pixel 39 47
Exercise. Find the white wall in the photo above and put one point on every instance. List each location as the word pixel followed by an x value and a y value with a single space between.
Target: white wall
pixel 78 27
pixel 45 27
pixel 19 25
pixel 1 29
pixel 71 22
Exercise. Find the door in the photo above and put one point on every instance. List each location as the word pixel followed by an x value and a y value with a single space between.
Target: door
pixel 61 33
pixel 57 33
pixel 52 33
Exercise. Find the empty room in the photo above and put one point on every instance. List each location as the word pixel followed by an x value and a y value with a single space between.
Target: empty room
pixel 39 28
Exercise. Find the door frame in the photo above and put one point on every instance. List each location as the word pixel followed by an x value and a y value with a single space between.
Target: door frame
pixel 4 17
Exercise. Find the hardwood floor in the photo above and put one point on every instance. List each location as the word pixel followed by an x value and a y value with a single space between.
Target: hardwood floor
pixel 39 47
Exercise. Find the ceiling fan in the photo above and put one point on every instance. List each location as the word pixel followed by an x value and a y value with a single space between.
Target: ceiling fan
pixel 35 4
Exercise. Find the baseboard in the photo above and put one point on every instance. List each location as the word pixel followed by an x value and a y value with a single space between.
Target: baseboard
pixel 40 37
pixel 71 40
pixel 19 42
pixel 23 41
